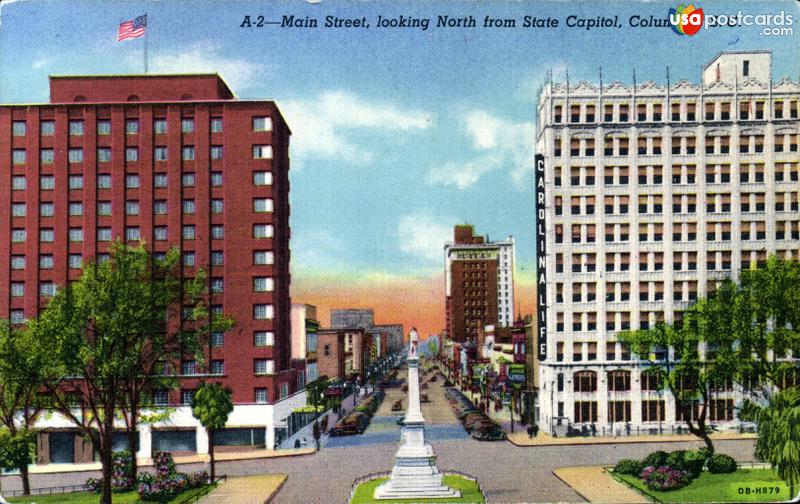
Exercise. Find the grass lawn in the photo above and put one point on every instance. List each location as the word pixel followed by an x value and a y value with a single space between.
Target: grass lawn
pixel 744 485
pixel 470 492
pixel 93 498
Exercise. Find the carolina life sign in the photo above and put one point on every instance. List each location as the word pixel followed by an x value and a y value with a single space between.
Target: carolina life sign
pixel 541 259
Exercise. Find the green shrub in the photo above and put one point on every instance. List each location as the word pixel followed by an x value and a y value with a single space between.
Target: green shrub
pixel 655 459
pixel 693 462
pixel 706 453
pixel 721 463
pixel 675 460
pixel 629 466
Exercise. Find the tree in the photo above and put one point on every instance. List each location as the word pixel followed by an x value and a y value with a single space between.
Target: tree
pixel 17 451
pixel 779 434
pixel 211 406
pixel 691 376
pixel 106 333
pixel 315 396
pixel 20 404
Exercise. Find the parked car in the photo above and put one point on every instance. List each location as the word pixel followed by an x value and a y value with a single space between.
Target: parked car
pixel 354 423
pixel 398 405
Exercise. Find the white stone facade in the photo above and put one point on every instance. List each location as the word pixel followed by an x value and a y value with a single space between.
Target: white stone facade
pixel 657 192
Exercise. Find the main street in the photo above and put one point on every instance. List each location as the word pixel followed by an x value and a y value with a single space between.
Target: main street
pixel 507 473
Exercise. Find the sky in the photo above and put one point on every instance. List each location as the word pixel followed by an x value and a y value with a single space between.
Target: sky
pixel 399 133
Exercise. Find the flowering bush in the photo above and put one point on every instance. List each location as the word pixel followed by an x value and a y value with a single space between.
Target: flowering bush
pixel 122 471
pixel 167 483
pixel 664 478
pixel 94 484
pixel 164 464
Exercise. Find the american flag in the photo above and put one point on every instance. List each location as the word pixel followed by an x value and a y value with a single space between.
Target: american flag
pixel 132 29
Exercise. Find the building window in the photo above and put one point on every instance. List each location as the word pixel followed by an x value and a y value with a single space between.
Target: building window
pixel 160 397
pixel 160 126
pixel 263 257
pixel 188 206
pixel 216 125
pixel 76 128
pixel 262 178
pixel 217 232
pixel 216 152
pixel 262 205
pixel 104 234
pixel 217 206
pixel 46 156
pixel 261 395
pixel 17 289
pixel 47 289
pixel 160 153
pixel 75 261
pixel 75 181
pixel 132 181
pixel 104 181
pixel 103 154
pixel 18 183
pixel 263 338
pixel 131 208
pixel 284 390
pixel 216 179
pixel 263 284
pixel 18 156
pixel 187 396
pixel 160 207
pixel 585 381
pixel 75 234
pixel 18 210
pixel 75 155
pixel 217 367
pixel 17 316
pixel 132 233
pixel 18 262
pixel 188 258
pixel 187 180
pixel 47 128
pixel 217 258
pixel 104 208
pixel 263 311
pixel 160 180
pixel 189 367
pixel 131 154
pixel 263 231
pixel 585 412
pixel 46 235
pixel 264 366
pixel 188 153
pixel 188 232
pixel 46 209
pixel 187 125
pixel 160 233
pixel 217 339
pixel 18 128
pixel 262 123
pixel 262 152
pixel 217 285
pixel 131 126
pixel 103 127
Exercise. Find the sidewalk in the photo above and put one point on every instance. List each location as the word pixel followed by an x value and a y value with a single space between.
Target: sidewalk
pixel 520 438
pixel 594 485
pixel 246 490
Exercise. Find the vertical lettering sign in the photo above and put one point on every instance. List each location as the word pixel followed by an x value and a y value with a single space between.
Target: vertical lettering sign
pixel 541 260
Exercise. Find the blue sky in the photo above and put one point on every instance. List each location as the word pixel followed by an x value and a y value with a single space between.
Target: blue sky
pixel 398 133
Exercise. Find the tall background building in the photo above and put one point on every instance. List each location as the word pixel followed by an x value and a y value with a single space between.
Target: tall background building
pixel 479 283
pixel 653 194
pixel 168 161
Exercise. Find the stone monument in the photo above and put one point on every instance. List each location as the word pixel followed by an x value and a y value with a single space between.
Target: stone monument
pixel 415 474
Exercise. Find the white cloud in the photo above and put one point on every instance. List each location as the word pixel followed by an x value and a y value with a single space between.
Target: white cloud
pixel 501 143
pixel 322 126
pixel 423 236
pixel 40 62
pixel 464 174
pixel 205 56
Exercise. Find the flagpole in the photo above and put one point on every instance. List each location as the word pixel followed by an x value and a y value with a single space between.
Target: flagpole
pixel 146 32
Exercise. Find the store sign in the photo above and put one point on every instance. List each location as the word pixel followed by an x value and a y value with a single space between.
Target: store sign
pixel 516 373
pixel 541 259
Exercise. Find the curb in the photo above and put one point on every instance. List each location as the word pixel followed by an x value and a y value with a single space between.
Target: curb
pixel 569 486
pixel 275 492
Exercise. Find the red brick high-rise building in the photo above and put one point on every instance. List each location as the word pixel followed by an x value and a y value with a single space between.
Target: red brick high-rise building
pixel 170 161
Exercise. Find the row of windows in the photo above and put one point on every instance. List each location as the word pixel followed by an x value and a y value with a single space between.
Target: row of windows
pixel 75 154
pixel 46 209
pixel 679 111
pixel 717 173
pixel 132 233
pixel 681 145
pixel 681 203
pixel 76 127
pixel 133 181
pixel 687 232
pixel 260 257
pixel 260 395
pixel 621 291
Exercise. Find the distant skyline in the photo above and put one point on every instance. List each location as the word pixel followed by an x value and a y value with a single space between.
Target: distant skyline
pixel 398 134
